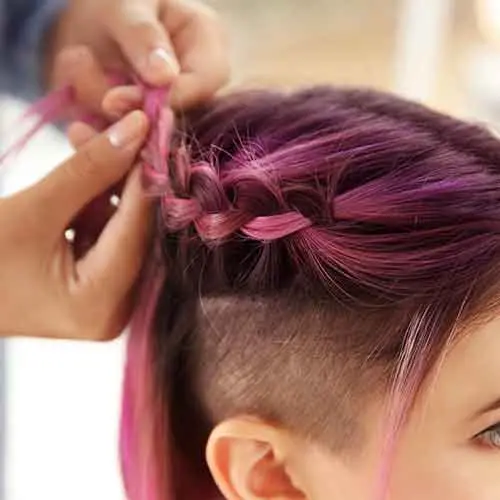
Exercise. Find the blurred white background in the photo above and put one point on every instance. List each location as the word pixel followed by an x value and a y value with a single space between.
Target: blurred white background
pixel 62 397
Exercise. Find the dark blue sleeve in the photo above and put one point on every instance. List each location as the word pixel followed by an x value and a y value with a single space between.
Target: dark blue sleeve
pixel 23 26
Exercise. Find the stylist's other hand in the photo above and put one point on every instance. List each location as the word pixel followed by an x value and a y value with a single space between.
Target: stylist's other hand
pixel 179 42
pixel 45 288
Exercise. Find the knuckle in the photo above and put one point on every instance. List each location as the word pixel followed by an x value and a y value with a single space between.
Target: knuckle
pixel 141 29
pixel 70 60
pixel 131 21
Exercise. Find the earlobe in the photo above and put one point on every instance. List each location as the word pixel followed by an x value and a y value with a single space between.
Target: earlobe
pixel 248 461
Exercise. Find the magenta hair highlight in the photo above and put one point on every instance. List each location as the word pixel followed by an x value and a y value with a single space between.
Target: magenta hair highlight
pixel 47 110
pixel 144 464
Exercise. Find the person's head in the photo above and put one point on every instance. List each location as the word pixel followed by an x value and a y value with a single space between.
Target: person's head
pixel 326 323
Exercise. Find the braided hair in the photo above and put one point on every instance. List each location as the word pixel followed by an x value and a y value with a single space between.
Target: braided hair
pixel 312 249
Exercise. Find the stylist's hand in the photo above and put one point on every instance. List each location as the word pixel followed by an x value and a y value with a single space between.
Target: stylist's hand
pixel 47 290
pixel 179 42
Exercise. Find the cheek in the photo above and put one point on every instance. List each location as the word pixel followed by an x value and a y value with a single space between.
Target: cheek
pixel 459 476
pixel 427 469
pixel 431 487
pixel 432 482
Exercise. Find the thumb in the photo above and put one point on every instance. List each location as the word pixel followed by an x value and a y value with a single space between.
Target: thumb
pixel 144 41
pixel 102 162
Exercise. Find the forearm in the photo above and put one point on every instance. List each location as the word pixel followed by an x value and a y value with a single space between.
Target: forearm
pixel 23 43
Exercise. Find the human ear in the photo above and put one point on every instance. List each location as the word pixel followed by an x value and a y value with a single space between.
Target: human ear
pixel 250 460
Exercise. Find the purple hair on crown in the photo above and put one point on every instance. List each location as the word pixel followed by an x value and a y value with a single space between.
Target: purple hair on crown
pixel 353 197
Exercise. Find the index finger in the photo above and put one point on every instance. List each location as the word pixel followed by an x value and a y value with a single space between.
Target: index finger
pixel 200 42
pixel 102 162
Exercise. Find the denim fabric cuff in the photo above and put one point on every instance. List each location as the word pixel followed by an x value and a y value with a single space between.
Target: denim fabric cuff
pixel 27 58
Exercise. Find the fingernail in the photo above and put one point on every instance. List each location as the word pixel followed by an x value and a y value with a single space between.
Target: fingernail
pixel 128 130
pixel 163 63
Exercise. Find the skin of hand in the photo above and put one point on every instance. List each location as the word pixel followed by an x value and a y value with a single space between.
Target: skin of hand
pixel 46 288
pixel 177 42
pixel 50 287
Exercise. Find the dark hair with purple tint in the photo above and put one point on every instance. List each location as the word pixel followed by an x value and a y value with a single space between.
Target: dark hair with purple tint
pixel 315 250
